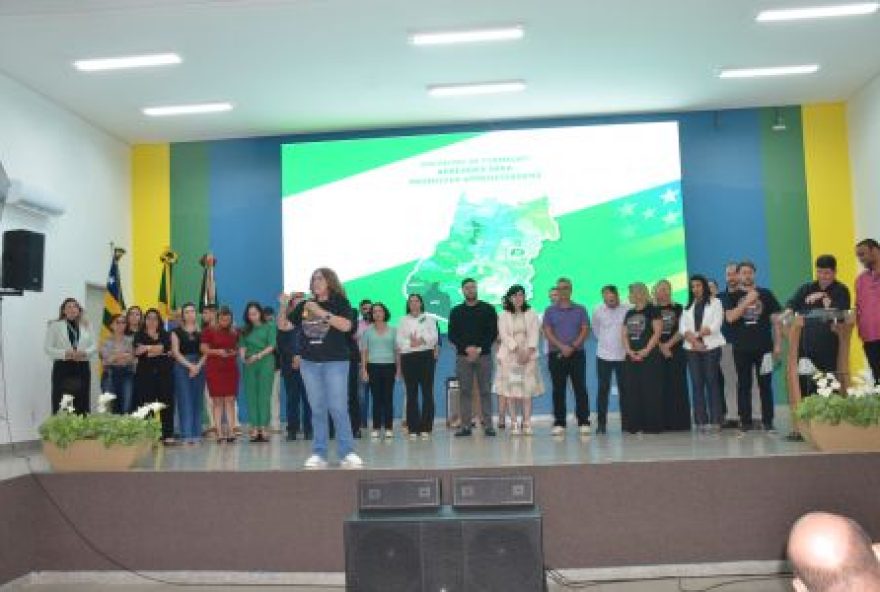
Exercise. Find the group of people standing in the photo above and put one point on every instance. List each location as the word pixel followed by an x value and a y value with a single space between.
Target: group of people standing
pixel 331 360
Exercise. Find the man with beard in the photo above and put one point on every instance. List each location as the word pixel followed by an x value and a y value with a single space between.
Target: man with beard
pixel 473 328
pixel 753 314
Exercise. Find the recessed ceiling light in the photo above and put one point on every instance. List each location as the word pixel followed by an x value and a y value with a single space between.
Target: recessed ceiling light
pixel 187 109
pixel 467 36
pixel 143 61
pixel 477 88
pixel 817 12
pixel 773 71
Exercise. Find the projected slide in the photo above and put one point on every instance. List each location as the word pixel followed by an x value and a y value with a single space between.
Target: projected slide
pixel 417 214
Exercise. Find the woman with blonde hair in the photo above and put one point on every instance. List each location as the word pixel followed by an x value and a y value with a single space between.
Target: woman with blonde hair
pixel 642 402
pixel 327 322
pixel 517 379
pixel 70 344
pixel 676 404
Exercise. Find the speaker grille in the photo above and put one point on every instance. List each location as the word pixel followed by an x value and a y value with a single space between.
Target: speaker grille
pixel 493 492
pixel 503 555
pixel 384 557
pixel 398 494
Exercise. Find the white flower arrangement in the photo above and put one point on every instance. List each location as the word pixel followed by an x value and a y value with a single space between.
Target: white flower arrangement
pixel 66 404
pixel 144 410
pixel 826 383
pixel 105 401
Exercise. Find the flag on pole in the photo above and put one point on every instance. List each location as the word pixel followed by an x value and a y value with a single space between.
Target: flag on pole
pixel 114 303
pixel 208 291
pixel 166 285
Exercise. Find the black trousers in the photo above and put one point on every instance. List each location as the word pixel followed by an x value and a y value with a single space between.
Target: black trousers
pixel 746 362
pixel 354 399
pixel 71 378
pixel 642 402
pixel 562 369
pixel 676 402
pixel 382 389
pixel 153 382
pixel 872 352
pixel 605 369
pixel 418 375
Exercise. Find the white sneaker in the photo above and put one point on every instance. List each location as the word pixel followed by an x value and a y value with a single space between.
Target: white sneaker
pixel 557 431
pixel 413 437
pixel 315 462
pixel 374 434
pixel 514 429
pixel 351 461
pixel 389 434
pixel 584 429
pixel 426 435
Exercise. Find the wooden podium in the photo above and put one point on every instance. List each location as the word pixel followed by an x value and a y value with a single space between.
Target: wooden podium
pixel 843 327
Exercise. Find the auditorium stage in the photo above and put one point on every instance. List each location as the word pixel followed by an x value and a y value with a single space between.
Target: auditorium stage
pixel 445 452
pixel 608 501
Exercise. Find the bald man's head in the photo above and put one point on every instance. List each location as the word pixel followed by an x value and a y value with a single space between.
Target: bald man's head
pixel 831 553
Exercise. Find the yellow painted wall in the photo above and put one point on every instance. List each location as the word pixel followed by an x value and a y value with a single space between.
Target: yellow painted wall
pixel 151 218
pixel 829 193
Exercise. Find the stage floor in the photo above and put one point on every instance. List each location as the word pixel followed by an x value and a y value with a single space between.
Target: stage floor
pixel 444 451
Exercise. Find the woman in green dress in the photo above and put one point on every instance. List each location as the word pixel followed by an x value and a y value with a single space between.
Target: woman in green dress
pixel 257 344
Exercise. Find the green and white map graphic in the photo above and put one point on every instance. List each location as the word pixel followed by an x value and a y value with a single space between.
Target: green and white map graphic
pixel 417 214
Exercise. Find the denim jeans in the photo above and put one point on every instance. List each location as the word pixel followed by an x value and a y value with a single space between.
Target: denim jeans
pixel 327 389
pixel 119 380
pixel 189 393
pixel 296 397
pixel 365 394
pixel 704 366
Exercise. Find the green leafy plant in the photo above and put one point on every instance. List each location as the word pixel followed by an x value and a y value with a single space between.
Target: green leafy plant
pixel 859 406
pixel 66 427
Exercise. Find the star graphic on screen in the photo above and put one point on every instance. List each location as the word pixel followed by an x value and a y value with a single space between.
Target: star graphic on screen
pixel 669 196
pixel 649 213
pixel 628 209
pixel 671 218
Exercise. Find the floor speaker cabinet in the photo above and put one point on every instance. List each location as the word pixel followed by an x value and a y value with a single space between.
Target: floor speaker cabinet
pixel 445 551
pixel 517 491
pixel 23 260
pixel 383 495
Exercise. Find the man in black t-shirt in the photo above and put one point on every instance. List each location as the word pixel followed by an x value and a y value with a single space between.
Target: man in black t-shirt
pixel 753 314
pixel 473 329
pixel 819 342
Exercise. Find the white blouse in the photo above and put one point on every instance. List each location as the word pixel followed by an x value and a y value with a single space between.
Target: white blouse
pixel 423 327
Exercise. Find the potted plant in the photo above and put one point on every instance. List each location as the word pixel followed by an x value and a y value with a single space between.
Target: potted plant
pixel 101 441
pixel 840 421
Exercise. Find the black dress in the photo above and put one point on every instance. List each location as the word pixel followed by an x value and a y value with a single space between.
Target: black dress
pixel 642 396
pixel 152 379
pixel 676 406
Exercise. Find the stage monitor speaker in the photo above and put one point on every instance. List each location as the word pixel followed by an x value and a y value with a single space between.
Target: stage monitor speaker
pixel 493 492
pixel 23 260
pixel 377 495
pixel 447 550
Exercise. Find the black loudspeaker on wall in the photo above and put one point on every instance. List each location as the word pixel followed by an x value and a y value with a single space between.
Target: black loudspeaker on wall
pixel 23 260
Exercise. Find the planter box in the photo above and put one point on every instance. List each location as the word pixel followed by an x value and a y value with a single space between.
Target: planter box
pixel 92 455
pixel 844 437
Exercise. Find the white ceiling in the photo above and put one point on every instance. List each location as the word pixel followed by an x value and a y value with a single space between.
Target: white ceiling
pixel 310 65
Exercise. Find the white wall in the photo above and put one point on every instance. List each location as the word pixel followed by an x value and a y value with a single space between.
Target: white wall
pixel 863 117
pixel 88 171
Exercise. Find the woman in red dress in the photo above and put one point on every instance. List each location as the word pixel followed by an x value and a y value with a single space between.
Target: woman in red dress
pixel 220 344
